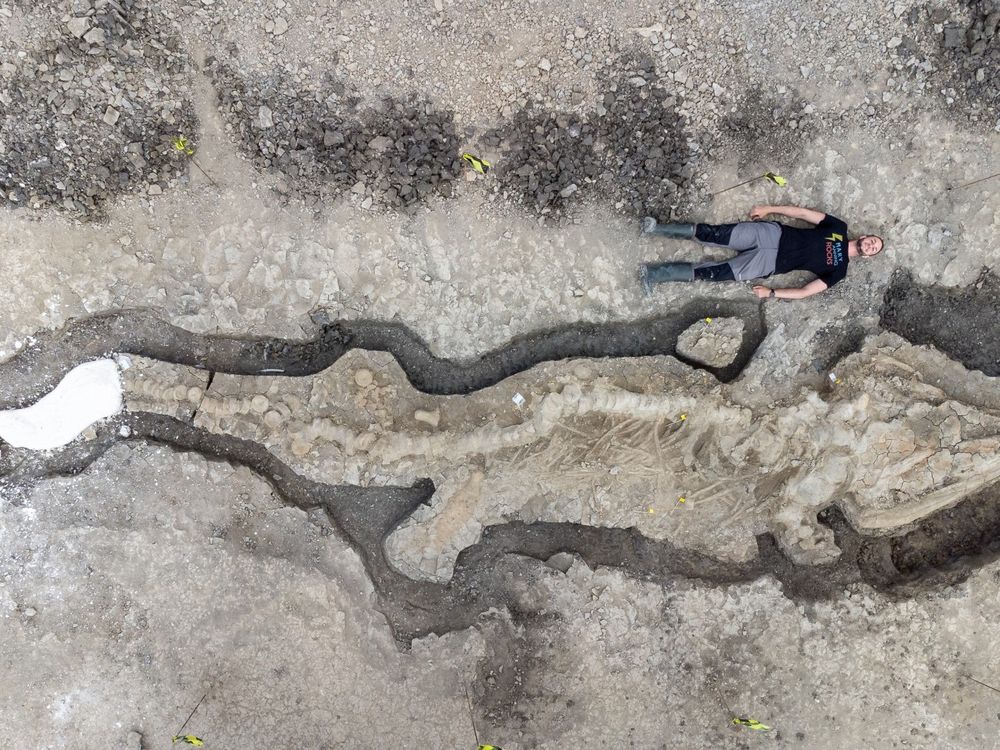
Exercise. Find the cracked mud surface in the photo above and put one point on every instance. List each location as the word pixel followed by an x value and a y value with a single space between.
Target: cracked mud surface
pixel 489 464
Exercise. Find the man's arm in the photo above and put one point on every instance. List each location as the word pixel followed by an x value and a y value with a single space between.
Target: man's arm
pixel 792 212
pixel 813 287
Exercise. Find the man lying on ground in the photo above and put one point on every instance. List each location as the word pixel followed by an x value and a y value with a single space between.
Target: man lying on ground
pixel 764 248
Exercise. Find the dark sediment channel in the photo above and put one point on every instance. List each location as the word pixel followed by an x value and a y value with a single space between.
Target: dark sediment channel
pixel 941 550
pixel 40 366
pixel 961 322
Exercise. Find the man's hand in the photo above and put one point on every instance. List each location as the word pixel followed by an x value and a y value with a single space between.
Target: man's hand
pixel 759 212
pixel 762 292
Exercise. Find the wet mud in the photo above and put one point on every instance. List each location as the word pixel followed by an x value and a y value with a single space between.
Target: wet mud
pixel 40 366
pixel 490 574
pixel 961 322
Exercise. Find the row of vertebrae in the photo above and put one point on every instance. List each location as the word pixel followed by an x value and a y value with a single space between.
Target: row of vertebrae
pixel 152 390
pixel 389 448
pixel 155 391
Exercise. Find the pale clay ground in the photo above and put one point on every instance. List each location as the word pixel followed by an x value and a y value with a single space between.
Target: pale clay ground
pixel 238 264
pixel 121 608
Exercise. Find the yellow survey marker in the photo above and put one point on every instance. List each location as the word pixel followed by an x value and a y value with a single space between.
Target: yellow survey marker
pixel 751 724
pixel 480 165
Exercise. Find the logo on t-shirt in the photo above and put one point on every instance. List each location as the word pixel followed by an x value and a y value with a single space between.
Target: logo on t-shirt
pixel 834 249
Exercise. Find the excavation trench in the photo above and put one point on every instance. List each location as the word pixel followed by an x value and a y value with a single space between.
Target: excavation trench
pixel 940 550
pixel 959 321
pixel 40 366
pixel 364 516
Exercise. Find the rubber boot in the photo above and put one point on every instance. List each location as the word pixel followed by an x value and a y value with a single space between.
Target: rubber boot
pixel 657 273
pixel 674 231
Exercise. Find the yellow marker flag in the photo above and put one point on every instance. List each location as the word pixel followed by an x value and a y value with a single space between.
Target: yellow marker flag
pixel 181 144
pixel 490 747
pixel 480 165
pixel 777 179
pixel 189 739
pixel 751 724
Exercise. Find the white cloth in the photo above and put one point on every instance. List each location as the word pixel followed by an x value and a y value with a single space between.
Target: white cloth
pixel 89 393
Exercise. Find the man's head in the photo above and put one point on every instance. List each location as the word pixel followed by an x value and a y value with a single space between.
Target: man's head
pixel 869 245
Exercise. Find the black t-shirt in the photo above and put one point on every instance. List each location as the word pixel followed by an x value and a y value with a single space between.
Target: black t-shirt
pixel 821 249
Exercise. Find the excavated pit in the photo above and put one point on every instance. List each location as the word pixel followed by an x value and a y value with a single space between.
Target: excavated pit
pixel 961 322
pixel 939 549
pixel 42 364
